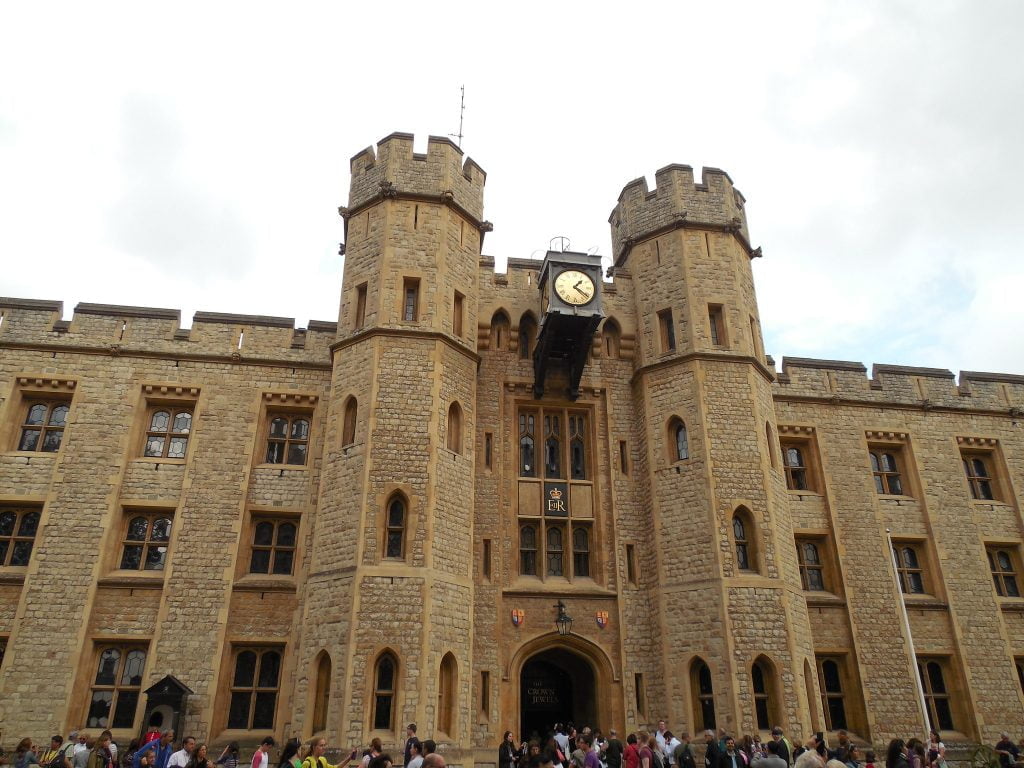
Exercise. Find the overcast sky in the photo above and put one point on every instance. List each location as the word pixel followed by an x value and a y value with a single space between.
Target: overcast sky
pixel 193 155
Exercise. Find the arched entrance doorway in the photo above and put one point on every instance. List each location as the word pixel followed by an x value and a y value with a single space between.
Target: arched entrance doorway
pixel 556 686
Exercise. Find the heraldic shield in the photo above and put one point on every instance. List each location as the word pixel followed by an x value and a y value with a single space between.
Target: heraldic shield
pixel 518 617
pixel 602 619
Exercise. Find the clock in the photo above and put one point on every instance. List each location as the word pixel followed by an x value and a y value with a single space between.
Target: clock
pixel 574 287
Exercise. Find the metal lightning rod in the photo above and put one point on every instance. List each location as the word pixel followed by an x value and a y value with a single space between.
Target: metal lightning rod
pixel 462 112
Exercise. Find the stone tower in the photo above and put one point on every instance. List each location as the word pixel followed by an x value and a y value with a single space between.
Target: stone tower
pixel 729 590
pixel 387 616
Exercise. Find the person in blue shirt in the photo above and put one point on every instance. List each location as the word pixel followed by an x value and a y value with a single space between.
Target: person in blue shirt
pixel 160 749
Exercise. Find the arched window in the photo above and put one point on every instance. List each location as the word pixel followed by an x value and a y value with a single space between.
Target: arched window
pixel 612 338
pixel 447 685
pixel 348 429
pixel 168 432
pixel 499 330
pixel 742 532
pixel 145 543
pixel 936 694
pixel 812 571
pixel 287 439
pixel 555 551
pixel 394 539
pixel 703 695
pixel 528 550
pixel 322 694
pixel 43 428
pixel 527 445
pixel 454 434
pixel 385 680
pixel 796 468
pixel 887 473
pixel 832 697
pixel 116 687
pixel 527 335
pixel 679 448
pixel 764 695
pixel 254 689
pixel 581 551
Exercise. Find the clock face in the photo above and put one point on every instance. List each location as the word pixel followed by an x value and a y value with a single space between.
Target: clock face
pixel 574 287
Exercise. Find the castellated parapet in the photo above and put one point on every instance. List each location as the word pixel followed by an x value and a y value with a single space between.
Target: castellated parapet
pixel 677 201
pixel 395 169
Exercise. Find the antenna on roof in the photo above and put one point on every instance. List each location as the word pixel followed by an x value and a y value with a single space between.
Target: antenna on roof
pixel 462 111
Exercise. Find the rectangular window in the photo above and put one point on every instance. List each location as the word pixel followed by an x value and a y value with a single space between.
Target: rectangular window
pixel 755 340
pixel 810 556
pixel 641 694
pixel 623 457
pixel 668 331
pixel 488 449
pixel 410 299
pixel 716 324
pixel 797 460
pixel 1003 562
pixel 287 438
pixel 581 551
pixel 273 546
pixel 255 682
pixel 934 676
pixel 631 564
pixel 18 527
pixel 43 423
pixel 485 565
pixel 910 567
pixel 457 315
pixel 167 430
pixel 360 318
pixel 485 694
pixel 114 691
pixel 566 443
pixel 146 538
pixel 978 468
pixel 887 463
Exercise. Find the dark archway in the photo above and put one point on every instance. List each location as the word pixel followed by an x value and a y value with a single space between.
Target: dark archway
pixel 556 686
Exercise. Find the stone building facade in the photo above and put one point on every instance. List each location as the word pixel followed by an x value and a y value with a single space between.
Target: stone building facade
pixel 344 528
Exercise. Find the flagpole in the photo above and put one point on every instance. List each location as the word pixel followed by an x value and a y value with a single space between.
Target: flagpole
pixel 910 636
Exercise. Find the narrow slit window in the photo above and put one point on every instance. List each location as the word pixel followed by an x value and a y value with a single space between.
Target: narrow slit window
pixel 360 318
pixel 485 565
pixel 631 564
pixel 411 299
pixel 668 331
pixel 716 324
pixel 488 449
pixel 457 311
pixel 623 457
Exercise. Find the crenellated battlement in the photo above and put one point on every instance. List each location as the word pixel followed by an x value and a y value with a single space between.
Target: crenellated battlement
pixel 152 330
pixel 394 169
pixel 927 388
pixel 676 201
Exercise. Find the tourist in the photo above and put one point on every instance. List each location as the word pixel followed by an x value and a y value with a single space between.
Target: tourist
pixel 161 750
pixel 935 750
pixel 507 757
pixel 376 747
pixel 56 755
pixel 771 757
pixel 895 756
pixel 181 758
pixel 578 758
pixel 261 757
pixel 869 758
pixel 1007 751
pixel 229 757
pixel 852 755
pixel 199 758
pixel 646 749
pixel 659 738
pixel 590 758
pixel 81 756
pixel 113 745
pixel 732 757
pixel 683 755
pixel 100 756
pixel 671 742
pixel 25 754
pixel 382 760
pixel 410 737
pixel 79 741
pixel 316 759
pixel 562 738
pixel 613 750
pixel 785 750
pixel 916 755
pixel 631 755
pixel 711 751
pixel 416 761
pixel 434 760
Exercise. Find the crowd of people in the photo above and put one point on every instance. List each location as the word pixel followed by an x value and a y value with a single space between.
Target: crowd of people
pixel 564 747
pixel 157 749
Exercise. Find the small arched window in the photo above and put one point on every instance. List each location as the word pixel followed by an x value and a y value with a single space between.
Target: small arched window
pixel 348 430
pixel 743 541
pixel 528 550
pixel 679 447
pixel 446 700
pixel 703 695
pixel 499 330
pixel 612 338
pixel 385 680
pixel 764 698
pixel 394 540
pixel 454 434
pixel 527 335
pixel 322 695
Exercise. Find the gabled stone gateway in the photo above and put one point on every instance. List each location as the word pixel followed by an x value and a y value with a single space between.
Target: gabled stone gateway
pixel 345 528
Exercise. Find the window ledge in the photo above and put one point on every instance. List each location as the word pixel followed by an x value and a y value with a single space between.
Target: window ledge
pixel 896 498
pixel 283 467
pixel 1011 603
pixel 924 601
pixel 132 579
pixel 13 574
pixel 992 504
pixel 264 583
pixel 31 454
pixel 159 460
pixel 829 599
pixel 529 587
pixel 800 494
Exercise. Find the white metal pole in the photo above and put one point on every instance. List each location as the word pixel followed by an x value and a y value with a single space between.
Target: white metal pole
pixel 910 636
